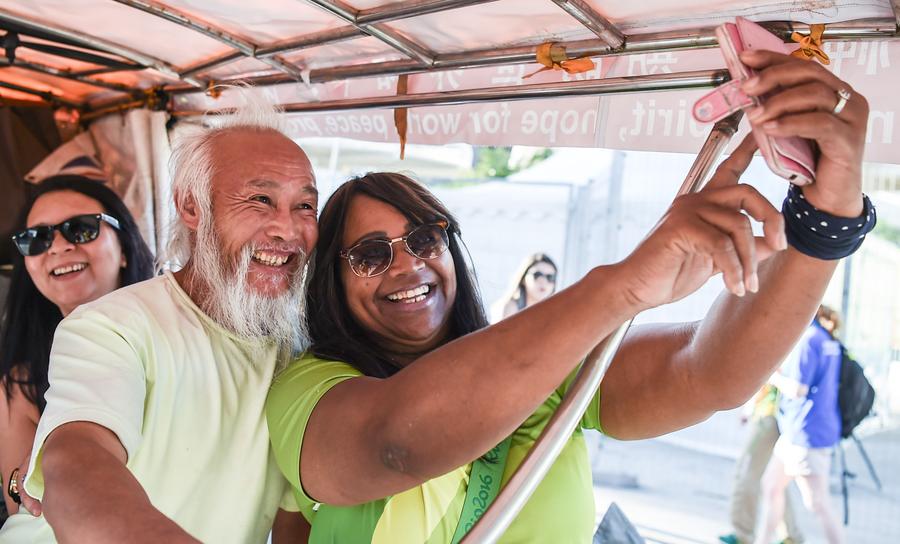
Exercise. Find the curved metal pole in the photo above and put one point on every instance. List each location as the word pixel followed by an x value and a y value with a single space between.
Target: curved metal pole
pixel 715 144
pixel 547 448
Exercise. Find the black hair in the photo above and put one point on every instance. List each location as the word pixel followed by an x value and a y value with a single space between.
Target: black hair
pixel 30 318
pixel 334 332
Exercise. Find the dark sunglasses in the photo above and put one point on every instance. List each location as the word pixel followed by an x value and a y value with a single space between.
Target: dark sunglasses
pixel 80 229
pixel 370 258
pixel 537 274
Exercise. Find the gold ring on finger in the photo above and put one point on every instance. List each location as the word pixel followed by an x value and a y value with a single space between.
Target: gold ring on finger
pixel 843 96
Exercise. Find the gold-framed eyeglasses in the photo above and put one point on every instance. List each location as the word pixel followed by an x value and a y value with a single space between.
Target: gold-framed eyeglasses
pixel 373 257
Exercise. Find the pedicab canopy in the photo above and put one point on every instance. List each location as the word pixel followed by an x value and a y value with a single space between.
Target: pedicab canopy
pixel 610 73
pixel 619 74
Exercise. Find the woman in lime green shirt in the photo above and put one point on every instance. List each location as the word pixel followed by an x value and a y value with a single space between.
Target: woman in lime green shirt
pixel 399 305
pixel 405 395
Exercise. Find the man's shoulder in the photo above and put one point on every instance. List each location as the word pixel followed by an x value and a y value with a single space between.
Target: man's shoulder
pixel 135 305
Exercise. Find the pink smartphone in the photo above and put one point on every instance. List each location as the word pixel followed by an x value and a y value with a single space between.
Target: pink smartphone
pixel 792 158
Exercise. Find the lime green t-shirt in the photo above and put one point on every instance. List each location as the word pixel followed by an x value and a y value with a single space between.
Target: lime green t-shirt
pixel 560 511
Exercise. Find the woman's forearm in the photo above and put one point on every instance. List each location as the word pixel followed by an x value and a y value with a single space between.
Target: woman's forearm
pixel 496 377
pixel 743 340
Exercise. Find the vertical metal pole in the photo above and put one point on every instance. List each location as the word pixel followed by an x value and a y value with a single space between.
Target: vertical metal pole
pixel 613 216
pixel 576 223
pixel 713 147
pixel 547 448
pixel 844 475
pixel 845 299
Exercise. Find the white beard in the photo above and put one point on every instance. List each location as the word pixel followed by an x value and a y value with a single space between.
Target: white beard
pixel 242 310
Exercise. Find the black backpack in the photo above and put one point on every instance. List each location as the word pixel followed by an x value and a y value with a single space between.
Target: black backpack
pixel 855 394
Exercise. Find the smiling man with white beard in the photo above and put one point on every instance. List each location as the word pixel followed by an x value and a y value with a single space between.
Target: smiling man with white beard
pixel 155 429
pixel 271 310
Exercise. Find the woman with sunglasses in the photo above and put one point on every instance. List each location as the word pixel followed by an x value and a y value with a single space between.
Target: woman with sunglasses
pixel 408 413
pixel 78 242
pixel 534 280
pixel 386 419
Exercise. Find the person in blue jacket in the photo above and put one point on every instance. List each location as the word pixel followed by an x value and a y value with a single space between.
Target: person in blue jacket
pixel 810 422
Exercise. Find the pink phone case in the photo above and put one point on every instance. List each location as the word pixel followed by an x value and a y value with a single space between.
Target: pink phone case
pixel 791 158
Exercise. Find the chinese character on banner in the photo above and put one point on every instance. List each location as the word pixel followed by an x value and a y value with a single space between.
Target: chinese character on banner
pixel 345 85
pixel 871 55
pixel 652 63
pixel 387 83
pixel 509 75
pixel 449 78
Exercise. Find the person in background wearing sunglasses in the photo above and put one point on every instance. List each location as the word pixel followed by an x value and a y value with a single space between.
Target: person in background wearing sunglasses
pixel 534 281
pixel 408 413
pixel 78 242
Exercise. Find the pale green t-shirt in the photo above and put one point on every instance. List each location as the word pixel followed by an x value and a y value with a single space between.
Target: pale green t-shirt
pixel 186 399
pixel 560 511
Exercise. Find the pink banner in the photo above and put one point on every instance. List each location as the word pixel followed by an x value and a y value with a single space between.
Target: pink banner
pixel 656 121
pixel 663 122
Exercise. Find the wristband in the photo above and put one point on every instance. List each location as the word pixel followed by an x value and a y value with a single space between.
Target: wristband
pixel 821 235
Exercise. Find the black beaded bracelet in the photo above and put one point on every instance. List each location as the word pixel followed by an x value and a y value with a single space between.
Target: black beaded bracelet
pixel 822 235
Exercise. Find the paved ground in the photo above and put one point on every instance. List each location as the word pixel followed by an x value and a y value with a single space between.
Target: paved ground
pixel 677 495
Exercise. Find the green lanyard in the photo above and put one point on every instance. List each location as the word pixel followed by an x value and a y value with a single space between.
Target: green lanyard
pixel 484 484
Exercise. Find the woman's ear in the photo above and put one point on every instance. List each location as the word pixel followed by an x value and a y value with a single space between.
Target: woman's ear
pixel 124 263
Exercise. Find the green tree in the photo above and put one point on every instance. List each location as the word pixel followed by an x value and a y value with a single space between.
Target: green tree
pixel 493 162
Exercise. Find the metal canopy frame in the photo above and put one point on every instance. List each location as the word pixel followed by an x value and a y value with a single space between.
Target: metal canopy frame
pixel 587 16
pixel 244 47
pixel 65 35
pixel 394 39
pixel 56 72
pixel 47 97
pixel 372 22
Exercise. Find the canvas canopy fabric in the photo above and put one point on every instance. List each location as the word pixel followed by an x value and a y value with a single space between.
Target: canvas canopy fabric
pixel 98 56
